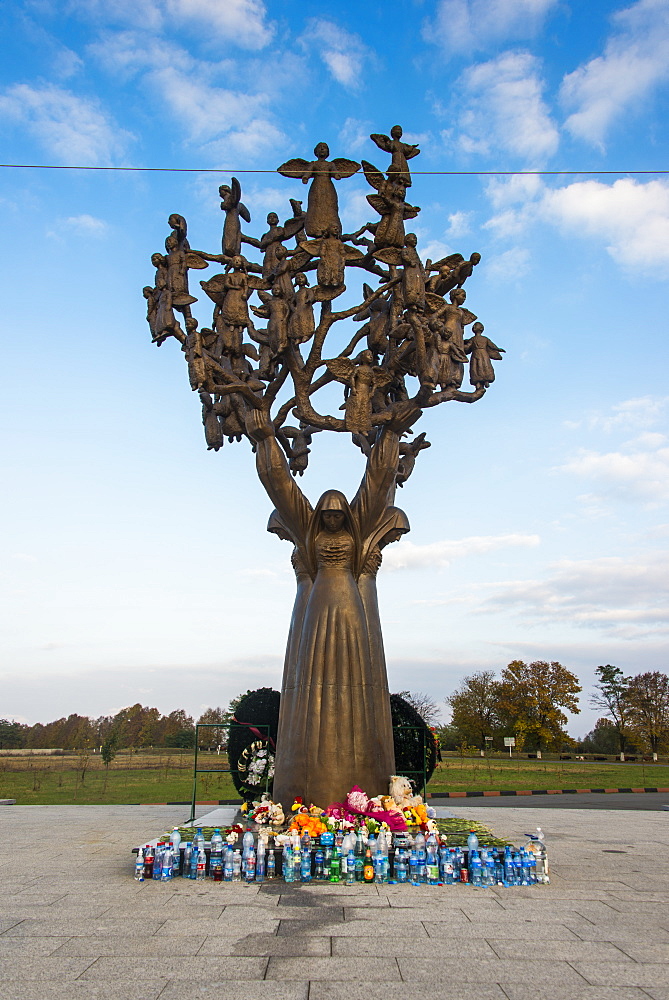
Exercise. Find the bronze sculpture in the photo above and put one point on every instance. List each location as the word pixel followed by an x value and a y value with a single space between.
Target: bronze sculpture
pixel 335 723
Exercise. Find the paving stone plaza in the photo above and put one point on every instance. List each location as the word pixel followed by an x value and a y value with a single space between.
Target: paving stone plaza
pixel 74 924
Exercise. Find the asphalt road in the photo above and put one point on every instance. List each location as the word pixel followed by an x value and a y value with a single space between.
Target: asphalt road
pixel 614 800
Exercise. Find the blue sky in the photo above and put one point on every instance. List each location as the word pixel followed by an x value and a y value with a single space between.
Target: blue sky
pixel 136 565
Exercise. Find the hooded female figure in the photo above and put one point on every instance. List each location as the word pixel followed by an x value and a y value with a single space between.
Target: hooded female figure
pixel 335 727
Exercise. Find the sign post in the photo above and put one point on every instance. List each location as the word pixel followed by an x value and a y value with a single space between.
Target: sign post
pixel 510 742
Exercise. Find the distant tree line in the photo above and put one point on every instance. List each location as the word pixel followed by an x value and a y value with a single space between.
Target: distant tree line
pixel 528 701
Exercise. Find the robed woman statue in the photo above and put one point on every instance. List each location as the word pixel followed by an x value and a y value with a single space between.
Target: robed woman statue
pixel 335 727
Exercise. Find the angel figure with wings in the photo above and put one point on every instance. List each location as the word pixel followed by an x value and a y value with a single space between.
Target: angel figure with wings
pixel 162 321
pixel 483 351
pixel 391 206
pixel 233 207
pixel 447 324
pixel 377 313
pixel 276 235
pixel 301 324
pixel 363 378
pixel 276 310
pixel 322 206
pixel 400 151
pixel 452 272
pixel 333 256
pixel 178 261
pixel 230 292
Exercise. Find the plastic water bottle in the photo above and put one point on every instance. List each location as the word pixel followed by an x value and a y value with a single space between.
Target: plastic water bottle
pixel 250 867
pixel 350 868
pixel 335 867
pixel 148 861
pixel 227 864
pixel 185 860
pixel 288 864
pixel 401 872
pixel 305 866
pixel 198 839
pixel 216 863
pixel 414 868
pixel 158 860
pixel 166 865
pixel 216 840
pixel 236 866
pixel 201 865
pixel 247 844
pixel 472 841
pixel 271 865
pixel 319 864
pixel 192 871
pixel 432 862
pixel 139 866
pixel 508 866
pixel 475 868
pixel 490 869
pixel 260 860
pixel 517 869
pixel 359 867
pixel 175 840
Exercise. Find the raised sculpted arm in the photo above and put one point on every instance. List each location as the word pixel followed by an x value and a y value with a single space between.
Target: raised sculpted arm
pixel 274 474
pixel 378 483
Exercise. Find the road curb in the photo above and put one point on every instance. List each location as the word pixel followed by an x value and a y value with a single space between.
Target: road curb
pixel 542 791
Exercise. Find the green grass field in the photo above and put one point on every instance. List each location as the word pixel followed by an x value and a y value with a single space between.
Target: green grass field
pixel 165 777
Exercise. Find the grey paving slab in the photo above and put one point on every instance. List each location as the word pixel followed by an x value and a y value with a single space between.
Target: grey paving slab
pixel 487 971
pixel 26 967
pixel 56 990
pixel 350 928
pixel 501 930
pixel 139 946
pixel 522 992
pixel 643 951
pixel 233 990
pixel 354 970
pixel 175 968
pixel 264 945
pixel 624 973
pixel 389 989
pixel 37 927
pixel 396 946
pixel 561 951
pixel 28 946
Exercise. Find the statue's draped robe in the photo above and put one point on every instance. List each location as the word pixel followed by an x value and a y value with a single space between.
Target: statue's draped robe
pixel 335 727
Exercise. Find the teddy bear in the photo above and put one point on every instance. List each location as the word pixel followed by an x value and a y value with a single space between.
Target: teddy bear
pixel 401 793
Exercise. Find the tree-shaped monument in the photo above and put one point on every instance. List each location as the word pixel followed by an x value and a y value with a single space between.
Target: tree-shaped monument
pixel 263 361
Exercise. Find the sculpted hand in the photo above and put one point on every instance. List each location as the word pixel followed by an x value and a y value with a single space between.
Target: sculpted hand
pixel 404 415
pixel 258 425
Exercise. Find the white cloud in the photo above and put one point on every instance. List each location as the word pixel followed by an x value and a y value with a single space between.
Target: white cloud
pixel 632 217
pixel 631 414
pixel 72 129
pixel 345 54
pixel 354 134
pixel 462 25
pixel 87 225
pixel 634 63
pixel 406 555
pixel 502 108
pixel 214 117
pixel 510 265
pixel 236 22
pixel 628 598
pixel 242 22
pixel 638 471
pixel 459 224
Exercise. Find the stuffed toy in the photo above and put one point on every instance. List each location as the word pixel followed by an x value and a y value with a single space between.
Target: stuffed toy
pixel 401 793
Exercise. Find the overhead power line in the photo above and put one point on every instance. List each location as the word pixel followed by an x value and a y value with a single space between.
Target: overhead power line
pixel 245 170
